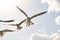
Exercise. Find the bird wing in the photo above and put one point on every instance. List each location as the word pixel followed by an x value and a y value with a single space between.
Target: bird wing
pixel 22 11
pixel 39 14
pixel 22 21
pixel 7 21
pixel 7 30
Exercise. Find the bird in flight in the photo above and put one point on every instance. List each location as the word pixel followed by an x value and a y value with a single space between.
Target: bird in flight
pixel 28 20
pixel 5 30
pixel 6 20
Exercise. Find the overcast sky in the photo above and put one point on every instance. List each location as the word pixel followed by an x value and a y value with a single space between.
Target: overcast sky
pixel 46 27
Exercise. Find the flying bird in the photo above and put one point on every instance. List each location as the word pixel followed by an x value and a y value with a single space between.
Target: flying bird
pixel 6 20
pixel 28 20
pixel 4 31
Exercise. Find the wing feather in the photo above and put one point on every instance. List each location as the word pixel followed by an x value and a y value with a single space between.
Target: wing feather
pixel 39 14
pixel 22 11
pixel 22 21
pixel 6 21
pixel 7 30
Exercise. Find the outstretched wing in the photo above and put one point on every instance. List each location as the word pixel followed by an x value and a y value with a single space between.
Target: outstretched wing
pixel 7 21
pixel 22 21
pixel 7 30
pixel 39 14
pixel 22 11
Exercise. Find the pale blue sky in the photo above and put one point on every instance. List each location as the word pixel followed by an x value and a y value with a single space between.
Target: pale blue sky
pixel 42 24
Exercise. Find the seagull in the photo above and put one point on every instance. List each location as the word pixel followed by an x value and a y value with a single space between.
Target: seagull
pixel 28 20
pixel 6 21
pixel 5 30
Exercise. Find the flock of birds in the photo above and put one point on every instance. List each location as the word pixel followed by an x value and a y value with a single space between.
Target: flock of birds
pixel 27 21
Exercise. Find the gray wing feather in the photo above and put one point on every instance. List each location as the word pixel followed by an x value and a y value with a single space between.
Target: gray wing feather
pixel 39 14
pixel 22 22
pixel 7 30
pixel 7 21
pixel 22 11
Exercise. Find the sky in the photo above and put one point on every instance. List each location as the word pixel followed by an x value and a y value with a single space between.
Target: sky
pixel 46 27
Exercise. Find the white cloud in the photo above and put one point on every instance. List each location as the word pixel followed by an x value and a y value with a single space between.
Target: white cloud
pixel 57 20
pixel 54 5
pixel 42 30
pixel 36 36
pixel 58 30
pixel 56 37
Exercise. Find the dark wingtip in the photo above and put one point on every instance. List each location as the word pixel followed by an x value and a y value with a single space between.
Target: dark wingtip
pixel 45 11
pixel 17 6
pixel 12 20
